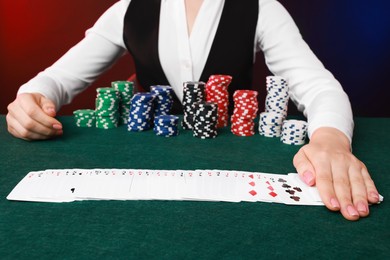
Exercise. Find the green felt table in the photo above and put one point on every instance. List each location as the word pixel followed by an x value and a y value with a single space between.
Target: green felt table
pixel 183 229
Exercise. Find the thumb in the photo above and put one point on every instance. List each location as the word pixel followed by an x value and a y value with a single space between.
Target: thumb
pixel 304 167
pixel 48 106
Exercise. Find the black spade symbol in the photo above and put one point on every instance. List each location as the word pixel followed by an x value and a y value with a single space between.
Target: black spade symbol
pixel 297 189
pixel 296 198
pixel 291 192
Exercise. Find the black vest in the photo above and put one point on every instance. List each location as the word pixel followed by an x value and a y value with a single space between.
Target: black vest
pixel 231 52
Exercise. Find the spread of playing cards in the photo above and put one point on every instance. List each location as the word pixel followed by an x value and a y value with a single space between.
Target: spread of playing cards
pixel 67 185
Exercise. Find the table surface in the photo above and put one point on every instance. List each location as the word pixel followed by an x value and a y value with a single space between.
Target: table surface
pixel 183 229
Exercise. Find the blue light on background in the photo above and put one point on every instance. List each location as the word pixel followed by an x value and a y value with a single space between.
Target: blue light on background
pixel 352 39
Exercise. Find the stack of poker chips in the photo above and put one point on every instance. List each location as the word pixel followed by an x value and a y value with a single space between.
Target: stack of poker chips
pixel 85 117
pixel 245 111
pixel 276 104
pixel 277 95
pixel 141 112
pixel 294 132
pixel 126 92
pixel 205 120
pixel 193 92
pixel 217 92
pixel 166 125
pixel 163 101
pixel 270 124
pixel 107 105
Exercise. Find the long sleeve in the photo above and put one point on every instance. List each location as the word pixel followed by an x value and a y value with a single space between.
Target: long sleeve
pixel 82 64
pixel 313 89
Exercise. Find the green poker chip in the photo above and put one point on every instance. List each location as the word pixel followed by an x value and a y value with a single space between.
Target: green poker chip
pixel 126 93
pixel 85 117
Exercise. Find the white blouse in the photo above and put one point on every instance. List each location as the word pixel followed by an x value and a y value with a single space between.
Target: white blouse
pixel 313 88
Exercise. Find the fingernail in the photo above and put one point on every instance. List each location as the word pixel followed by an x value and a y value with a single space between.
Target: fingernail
pixel 57 126
pixel 335 203
pixel 352 211
pixel 361 207
pixel 374 195
pixel 308 177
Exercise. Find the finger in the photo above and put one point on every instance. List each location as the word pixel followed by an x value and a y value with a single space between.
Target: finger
pixel 372 192
pixel 29 104
pixel 324 183
pixel 359 191
pixel 47 106
pixel 304 167
pixel 17 130
pixel 26 126
pixel 342 188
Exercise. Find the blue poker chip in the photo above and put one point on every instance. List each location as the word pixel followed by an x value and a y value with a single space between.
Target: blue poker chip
pixel 294 132
pixel 164 100
pixel 141 112
pixel 166 125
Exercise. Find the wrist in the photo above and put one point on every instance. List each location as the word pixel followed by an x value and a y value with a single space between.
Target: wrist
pixel 330 136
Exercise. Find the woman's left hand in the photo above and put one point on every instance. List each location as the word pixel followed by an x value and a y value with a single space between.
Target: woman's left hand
pixel 343 181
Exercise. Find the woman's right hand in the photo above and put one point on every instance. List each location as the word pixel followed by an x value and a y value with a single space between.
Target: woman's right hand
pixel 31 117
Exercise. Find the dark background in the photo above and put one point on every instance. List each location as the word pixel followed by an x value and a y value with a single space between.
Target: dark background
pixel 351 38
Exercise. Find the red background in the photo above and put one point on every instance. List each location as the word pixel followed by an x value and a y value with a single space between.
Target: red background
pixel 34 34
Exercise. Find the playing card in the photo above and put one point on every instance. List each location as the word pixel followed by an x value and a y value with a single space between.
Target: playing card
pixel 139 188
pixel 267 189
pixel 225 186
pixel 291 192
pixel 246 186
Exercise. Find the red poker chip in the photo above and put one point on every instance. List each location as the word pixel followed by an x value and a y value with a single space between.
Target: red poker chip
pixel 216 91
pixel 245 111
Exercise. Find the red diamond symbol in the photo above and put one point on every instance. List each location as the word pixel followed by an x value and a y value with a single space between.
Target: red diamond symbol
pixel 270 188
pixel 252 183
pixel 273 194
pixel 251 176
pixel 253 193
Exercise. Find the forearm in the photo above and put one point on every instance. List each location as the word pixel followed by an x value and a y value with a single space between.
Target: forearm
pixel 313 89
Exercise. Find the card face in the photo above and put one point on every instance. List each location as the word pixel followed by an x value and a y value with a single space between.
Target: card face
pixel 311 193
pixel 290 193
pixel 247 187
pixel 66 185
pixel 268 190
